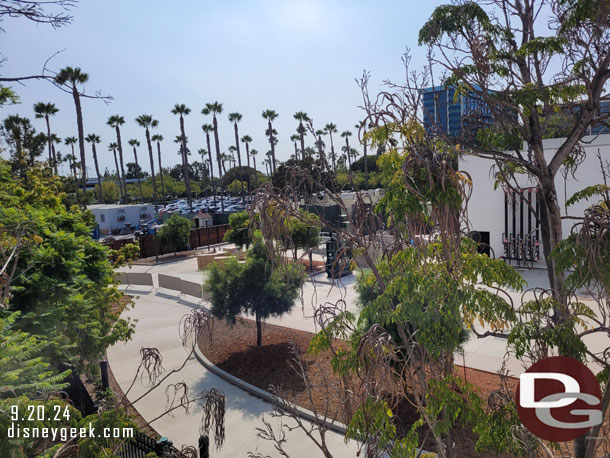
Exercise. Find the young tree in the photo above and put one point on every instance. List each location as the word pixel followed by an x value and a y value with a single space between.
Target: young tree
pixel 240 229
pixel 95 139
pixel 72 77
pixel 116 122
pixel 46 110
pixel 175 232
pixel 253 287
pixel 147 122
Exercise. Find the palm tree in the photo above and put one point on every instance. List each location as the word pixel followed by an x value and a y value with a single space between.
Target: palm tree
pixel 215 108
pixel 45 110
pixel 94 139
pixel 71 77
pixel 301 117
pixel 182 110
pixel 246 139
pixel 207 128
pixel 135 144
pixel 331 129
pixel 294 138
pixel 235 118
pixel 231 156
pixel 72 141
pixel 148 122
pixel 347 134
pixel 159 138
pixel 320 144
pixel 56 159
pixel 113 147
pixel 116 121
pixel 253 153
pixel 270 116
pixel 359 126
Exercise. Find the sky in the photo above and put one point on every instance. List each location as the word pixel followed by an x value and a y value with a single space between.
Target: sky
pixel 285 55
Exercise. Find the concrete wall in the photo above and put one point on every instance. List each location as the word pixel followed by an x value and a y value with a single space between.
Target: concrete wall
pixel 486 206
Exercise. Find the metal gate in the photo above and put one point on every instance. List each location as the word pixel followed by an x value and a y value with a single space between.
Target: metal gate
pixel 521 237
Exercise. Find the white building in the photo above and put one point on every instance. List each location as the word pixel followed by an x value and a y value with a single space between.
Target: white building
pixel 500 218
pixel 113 218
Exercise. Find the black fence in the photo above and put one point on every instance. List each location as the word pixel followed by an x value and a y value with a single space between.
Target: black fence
pixel 141 444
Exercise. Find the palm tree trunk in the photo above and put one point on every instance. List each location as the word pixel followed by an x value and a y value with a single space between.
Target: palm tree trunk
pixel 243 196
pixel 52 161
pixel 152 169
pixel 97 171
pixel 249 174
pixel 302 138
pixel 73 163
pixel 332 152
pixel 255 172
pixel 81 140
pixel 161 172
pixel 207 140
pixel 122 177
pixel 55 162
pixel 219 159
pixel 118 172
pixel 272 142
pixel 185 163
pixel 135 155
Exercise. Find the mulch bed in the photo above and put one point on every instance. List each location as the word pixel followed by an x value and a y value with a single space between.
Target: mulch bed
pixel 271 367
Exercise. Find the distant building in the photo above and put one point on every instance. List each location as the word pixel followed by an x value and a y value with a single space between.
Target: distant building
pixel 452 113
pixel 116 219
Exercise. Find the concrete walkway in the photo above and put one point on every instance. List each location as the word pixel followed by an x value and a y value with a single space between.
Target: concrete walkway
pixel 158 318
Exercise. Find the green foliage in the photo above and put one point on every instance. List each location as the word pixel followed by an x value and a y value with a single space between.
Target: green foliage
pixel 240 231
pixel 175 232
pixel 236 186
pixel 304 230
pixel 8 96
pixel 255 287
pixel 110 192
pixel 64 282
pixel 125 255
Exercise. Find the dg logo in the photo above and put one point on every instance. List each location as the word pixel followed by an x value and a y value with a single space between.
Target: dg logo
pixel 559 399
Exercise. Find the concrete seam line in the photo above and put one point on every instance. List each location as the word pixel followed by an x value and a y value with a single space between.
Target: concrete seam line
pixel 265 395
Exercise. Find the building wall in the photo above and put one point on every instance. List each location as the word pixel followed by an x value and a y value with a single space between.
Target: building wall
pixel 111 214
pixel 486 205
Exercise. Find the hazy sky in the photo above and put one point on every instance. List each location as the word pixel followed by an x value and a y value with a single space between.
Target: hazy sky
pixel 286 55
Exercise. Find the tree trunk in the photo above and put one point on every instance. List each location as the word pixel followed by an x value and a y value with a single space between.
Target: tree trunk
pixel 272 142
pixel 310 260
pixel 185 165
pixel 118 172
pixel 332 151
pixel 255 172
pixel 302 138
pixel 259 331
pixel 52 161
pixel 243 196
pixel 161 172
pixel 207 140
pixel 219 160
pixel 135 155
pixel 97 171
pixel 122 177
pixel 81 140
pixel 73 165
pixel 152 169
pixel 249 173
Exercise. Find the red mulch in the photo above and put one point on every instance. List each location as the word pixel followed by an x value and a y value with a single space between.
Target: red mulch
pixel 234 350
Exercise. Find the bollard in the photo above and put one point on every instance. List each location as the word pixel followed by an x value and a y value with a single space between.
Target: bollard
pixel 104 371
pixel 204 447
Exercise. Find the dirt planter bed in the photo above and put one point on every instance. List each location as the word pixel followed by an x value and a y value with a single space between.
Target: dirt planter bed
pixel 233 350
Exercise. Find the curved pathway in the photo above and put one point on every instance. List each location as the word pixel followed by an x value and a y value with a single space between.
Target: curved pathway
pixel 158 318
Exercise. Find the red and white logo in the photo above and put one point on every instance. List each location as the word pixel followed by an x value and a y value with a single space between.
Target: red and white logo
pixel 559 399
